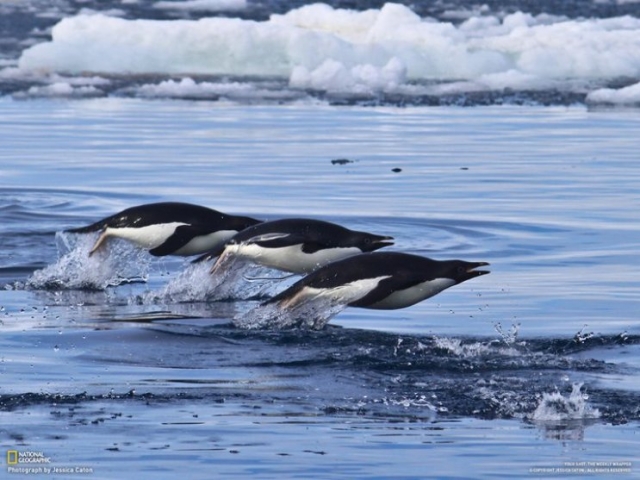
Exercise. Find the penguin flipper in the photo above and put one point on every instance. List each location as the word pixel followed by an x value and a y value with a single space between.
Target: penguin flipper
pixel 180 237
pixel 385 288
pixel 278 240
pixel 94 227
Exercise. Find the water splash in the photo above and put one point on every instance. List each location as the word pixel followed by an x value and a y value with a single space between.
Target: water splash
pixel 191 285
pixel 582 337
pixel 457 347
pixel 238 278
pixel 227 278
pixel 313 315
pixel 75 269
pixel 235 278
pixel 555 407
pixel 509 337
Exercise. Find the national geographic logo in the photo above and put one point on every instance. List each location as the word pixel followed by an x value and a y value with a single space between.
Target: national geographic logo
pixel 17 457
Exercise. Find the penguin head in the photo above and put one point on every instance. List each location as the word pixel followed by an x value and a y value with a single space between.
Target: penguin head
pixel 369 242
pixel 461 271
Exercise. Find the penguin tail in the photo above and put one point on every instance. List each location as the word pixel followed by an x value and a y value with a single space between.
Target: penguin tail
pixel 94 227
pixel 211 254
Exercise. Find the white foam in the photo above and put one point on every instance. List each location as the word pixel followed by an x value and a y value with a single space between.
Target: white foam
pixel 555 407
pixel 319 47
pixel 622 96
pixel 193 284
pixel 234 279
pixel 75 269
pixel 312 315
pixel 456 347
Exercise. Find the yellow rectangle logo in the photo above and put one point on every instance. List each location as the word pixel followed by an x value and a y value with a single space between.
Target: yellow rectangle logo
pixel 12 457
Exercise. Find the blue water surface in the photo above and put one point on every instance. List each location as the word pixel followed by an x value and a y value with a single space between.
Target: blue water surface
pixel 531 367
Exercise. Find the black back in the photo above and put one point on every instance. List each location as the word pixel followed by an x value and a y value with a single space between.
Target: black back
pixel 313 234
pixel 166 212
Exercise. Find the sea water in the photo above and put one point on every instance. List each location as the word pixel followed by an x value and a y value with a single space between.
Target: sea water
pixel 542 353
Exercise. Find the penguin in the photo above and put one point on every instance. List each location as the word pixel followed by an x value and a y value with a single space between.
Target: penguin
pixel 296 245
pixel 378 280
pixel 168 228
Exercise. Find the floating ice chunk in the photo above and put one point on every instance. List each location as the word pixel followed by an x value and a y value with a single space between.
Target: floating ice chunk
pixel 317 46
pixel 594 48
pixel 333 76
pixel 479 24
pixel 63 89
pixel 629 95
pixel 510 79
pixel 187 87
pixel 319 17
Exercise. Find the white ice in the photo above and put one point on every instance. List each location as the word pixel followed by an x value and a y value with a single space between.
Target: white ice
pixel 390 49
pixel 629 95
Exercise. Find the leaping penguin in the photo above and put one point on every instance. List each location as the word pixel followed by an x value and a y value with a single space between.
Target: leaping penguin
pixel 297 245
pixel 379 280
pixel 169 228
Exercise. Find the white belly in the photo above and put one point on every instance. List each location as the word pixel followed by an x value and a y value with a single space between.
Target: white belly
pixel 204 243
pixel 148 237
pixel 341 295
pixel 413 295
pixel 292 258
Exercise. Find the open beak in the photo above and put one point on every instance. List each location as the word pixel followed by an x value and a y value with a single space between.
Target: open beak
pixel 384 241
pixel 476 273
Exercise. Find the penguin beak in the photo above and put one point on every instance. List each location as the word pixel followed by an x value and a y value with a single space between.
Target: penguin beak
pixel 476 273
pixel 375 242
pixel 384 241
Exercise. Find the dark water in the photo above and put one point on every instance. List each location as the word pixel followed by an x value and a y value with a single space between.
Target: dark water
pixel 539 356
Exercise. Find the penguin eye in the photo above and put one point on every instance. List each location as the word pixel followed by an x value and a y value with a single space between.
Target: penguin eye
pixel 461 269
